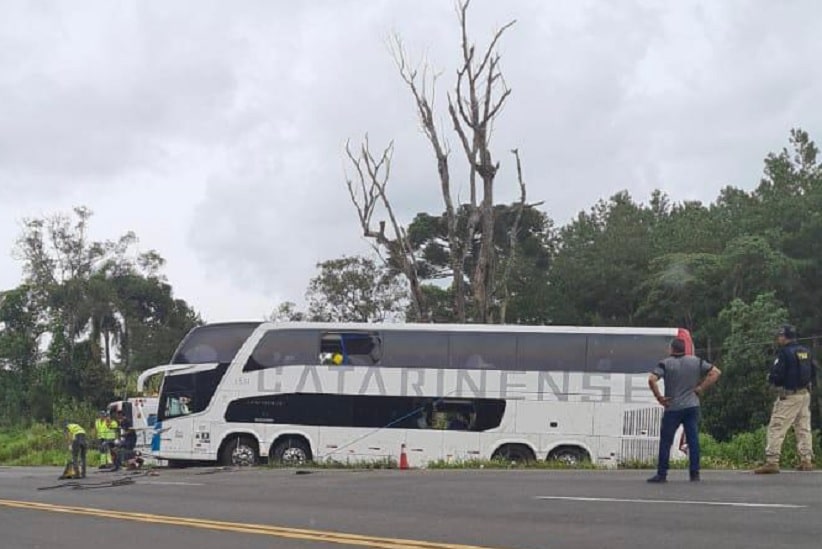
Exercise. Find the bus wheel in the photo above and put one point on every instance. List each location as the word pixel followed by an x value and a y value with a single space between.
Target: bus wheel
pixel 572 456
pixel 239 451
pixel 515 453
pixel 290 451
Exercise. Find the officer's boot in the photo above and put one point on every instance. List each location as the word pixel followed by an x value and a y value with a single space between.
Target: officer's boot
pixel 767 469
pixel 805 465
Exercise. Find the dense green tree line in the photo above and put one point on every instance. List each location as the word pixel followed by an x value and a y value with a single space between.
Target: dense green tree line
pixel 87 315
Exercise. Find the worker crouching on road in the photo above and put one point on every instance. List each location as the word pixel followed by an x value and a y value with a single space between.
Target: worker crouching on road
pixel 79 447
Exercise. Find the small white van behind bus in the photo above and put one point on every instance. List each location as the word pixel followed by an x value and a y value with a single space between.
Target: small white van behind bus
pixel 142 412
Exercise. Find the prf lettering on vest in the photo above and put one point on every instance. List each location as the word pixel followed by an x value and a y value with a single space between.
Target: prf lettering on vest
pixel 460 383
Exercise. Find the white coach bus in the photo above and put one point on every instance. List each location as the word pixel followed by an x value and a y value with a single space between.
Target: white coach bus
pixel 242 393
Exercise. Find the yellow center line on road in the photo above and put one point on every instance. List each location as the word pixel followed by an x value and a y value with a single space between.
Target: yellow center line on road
pixel 244 528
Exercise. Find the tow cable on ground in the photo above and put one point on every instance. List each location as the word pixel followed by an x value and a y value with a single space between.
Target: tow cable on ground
pixel 120 481
pixel 219 470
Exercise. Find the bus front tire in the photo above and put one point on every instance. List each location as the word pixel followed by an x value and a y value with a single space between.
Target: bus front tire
pixel 290 451
pixel 239 451
pixel 516 453
pixel 572 456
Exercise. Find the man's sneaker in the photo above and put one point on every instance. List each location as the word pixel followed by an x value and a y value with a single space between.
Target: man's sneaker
pixel 657 478
pixel 695 477
pixel 767 469
pixel 805 466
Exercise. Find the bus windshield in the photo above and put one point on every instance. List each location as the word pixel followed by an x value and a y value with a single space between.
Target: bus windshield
pixel 214 343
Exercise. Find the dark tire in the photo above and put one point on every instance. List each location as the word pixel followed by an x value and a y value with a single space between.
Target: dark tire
pixel 239 451
pixel 514 453
pixel 290 451
pixel 571 456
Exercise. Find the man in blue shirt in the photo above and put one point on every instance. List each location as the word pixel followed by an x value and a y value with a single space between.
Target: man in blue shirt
pixel 793 374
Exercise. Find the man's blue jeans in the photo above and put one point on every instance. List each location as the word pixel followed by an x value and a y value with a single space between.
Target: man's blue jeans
pixel 671 420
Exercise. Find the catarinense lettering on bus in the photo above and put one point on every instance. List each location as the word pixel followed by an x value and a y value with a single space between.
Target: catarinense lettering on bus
pixel 551 386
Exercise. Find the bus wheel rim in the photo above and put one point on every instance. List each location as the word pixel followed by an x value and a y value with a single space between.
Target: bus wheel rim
pixel 294 455
pixel 569 458
pixel 243 455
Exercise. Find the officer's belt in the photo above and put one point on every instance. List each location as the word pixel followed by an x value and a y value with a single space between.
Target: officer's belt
pixel 793 392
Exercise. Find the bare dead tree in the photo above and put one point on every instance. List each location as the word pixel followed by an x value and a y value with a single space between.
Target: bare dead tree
pixel 368 192
pixel 480 94
pixel 423 98
pixel 473 106
pixel 513 239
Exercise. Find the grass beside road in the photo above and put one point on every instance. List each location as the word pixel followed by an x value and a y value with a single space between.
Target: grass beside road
pixel 46 445
pixel 37 445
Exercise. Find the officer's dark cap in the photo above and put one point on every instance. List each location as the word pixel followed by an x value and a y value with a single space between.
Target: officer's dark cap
pixel 788 331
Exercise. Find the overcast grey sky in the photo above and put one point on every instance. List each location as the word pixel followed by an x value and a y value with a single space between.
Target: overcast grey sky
pixel 215 130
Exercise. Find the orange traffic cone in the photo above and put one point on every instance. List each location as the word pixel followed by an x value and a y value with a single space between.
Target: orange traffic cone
pixel 403 458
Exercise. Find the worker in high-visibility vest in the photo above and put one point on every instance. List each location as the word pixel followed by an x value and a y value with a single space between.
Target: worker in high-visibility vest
pixel 77 435
pixel 107 431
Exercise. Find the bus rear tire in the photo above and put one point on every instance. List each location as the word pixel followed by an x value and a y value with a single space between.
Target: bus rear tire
pixel 290 451
pixel 571 456
pixel 239 451
pixel 515 453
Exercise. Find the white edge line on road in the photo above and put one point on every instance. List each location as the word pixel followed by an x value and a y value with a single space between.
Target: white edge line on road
pixel 170 483
pixel 678 502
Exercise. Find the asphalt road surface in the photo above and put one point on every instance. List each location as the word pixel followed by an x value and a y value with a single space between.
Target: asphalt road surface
pixel 211 508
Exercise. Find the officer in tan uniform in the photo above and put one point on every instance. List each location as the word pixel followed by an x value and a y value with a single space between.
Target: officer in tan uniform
pixel 793 375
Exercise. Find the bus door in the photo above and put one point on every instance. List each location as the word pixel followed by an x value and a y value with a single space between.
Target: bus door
pixel 187 394
pixel 175 427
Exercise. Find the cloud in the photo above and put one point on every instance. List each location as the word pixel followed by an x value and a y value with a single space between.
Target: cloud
pixel 94 92
pixel 216 132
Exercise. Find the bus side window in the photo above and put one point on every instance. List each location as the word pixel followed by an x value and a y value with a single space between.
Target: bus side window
pixel 483 351
pixel 284 348
pixel 354 348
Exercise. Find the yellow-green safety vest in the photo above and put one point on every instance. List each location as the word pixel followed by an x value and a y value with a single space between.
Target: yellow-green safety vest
pixel 104 430
pixel 75 430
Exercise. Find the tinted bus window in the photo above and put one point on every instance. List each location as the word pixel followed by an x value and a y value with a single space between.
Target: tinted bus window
pixel 365 411
pixel 215 343
pixel 284 348
pixel 354 348
pixel 551 352
pixel 626 353
pixel 415 349
pixel 483 351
